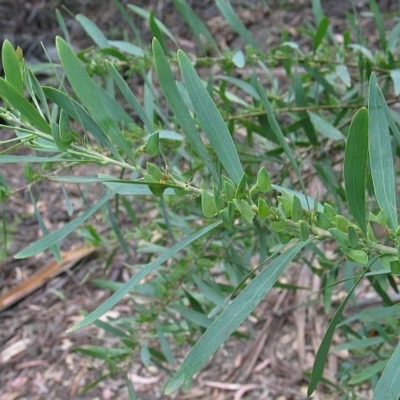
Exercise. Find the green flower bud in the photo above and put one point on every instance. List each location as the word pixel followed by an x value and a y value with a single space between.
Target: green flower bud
pixel 207 204
pixel 263 183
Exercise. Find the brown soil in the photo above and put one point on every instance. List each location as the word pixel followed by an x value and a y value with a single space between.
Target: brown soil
pixel 36 361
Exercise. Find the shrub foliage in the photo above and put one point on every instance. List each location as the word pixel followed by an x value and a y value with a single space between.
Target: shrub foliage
pixel 226 162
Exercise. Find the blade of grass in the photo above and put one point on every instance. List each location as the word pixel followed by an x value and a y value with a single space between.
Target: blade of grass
pixel 228 321
pixel 355 165
pixel 210 119
pixel 179 108
pixel 145 271
pixel 380 155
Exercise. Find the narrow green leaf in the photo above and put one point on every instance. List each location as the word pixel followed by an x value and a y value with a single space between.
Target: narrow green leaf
pixel 13 159
pixel 145 271
pixel 54 237
pixel 321 32
pixel 388 386
pixel 282 141
pixel 232 316
pixel 63 26
pixel 322 353
pixel 243 85
pixel 179 108
pixel 156 31
pixel 355 164
pixel 127 48
pixel 367 373
pixel 343 74
pixel 129 96
pixel 35 90
pixel 324 127
pixel 380 155
pixel 80 115
pixel 393 38
pixel 210 119
pixel 11 60
pixel 146 15
pixel 103 108
pixel 379 23
pixel 93 31
pixel 380 313
pixel 234 21
pixel 395 75
pixel 302 101
pixel 27 110
pixel 195 23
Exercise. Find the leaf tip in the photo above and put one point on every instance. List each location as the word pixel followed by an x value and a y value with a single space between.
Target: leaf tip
pixel 174 384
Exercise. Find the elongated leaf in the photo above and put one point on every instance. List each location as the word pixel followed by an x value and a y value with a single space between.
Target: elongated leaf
pixel 380 155
pixel 234 21
pixel 210 119
pixel 380 313
pixel 99 103
pixel 179 108
pixel 301 101
pixel 35 90
pixel 379 23
pixel 145 271
pixel 388 386
pixel 12 66
pixel 93 31
pixel 355 164
pixel 281 138
pixel 240 83
pixel 367 373
pixel 323 25
pixel 146 15
pixel 325 127
pixel 13 159
pixel 322 353
pixel 231 318
pixel 195 23
pixel 395 75
pixel 80 115
pixel 129 96
pixel 27 110
pixel 54 237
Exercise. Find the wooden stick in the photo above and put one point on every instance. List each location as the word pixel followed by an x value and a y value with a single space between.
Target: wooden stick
pixel 45 274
